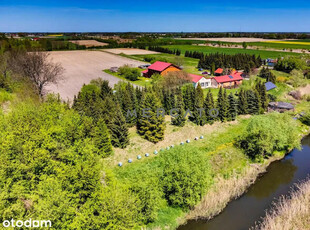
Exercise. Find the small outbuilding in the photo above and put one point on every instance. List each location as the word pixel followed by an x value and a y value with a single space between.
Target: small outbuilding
pixel 280 106
pixel 218 72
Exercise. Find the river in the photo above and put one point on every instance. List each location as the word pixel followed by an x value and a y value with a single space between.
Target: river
pixel 280 178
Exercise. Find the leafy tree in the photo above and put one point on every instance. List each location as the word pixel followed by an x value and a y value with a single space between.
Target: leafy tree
pixel 184 178
pixel 268 133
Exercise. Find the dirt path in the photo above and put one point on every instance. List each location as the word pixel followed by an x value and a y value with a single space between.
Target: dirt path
pixel 83 66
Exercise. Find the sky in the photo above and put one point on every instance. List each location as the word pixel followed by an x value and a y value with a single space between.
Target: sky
pixel 154 16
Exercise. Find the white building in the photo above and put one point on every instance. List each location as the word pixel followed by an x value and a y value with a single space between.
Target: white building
pixel 204 82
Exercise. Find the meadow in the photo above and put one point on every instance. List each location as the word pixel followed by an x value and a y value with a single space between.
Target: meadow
pixel 189 64
pixel 283 44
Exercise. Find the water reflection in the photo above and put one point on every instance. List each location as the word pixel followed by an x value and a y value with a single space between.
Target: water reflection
pixel 278 173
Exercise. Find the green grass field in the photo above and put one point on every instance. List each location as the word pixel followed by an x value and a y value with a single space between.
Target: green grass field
pixel 189 64
pixel 142 81
pixel 207 49
pixel 280 45
pixel 283 45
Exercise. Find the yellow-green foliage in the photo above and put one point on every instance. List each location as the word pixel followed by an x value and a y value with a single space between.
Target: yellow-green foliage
pixel 268 133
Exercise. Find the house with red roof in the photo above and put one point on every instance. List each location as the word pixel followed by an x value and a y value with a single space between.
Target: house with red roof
pixel 203 81
pixel 228 81
pixel 161 68
pixel 218 72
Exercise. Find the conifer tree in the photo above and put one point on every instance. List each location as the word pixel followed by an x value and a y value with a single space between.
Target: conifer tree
pixel 150 125
pixel 222 105
pixel 101 138
pixel 118 129
pixel 105 90
pixel 253 102
pixel 189 97
pixel 242 102
pixel 180 119
pixel 198 113
pixel 261 89
pixel 116 122
pixel 232 107
pixel 208 107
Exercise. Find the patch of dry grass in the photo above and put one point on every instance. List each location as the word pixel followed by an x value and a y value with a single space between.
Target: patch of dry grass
pixel 173 136
pixel 291 212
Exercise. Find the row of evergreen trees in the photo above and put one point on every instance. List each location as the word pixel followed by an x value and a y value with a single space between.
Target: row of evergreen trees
pixel 194 54
pixel 165 50
pixel 127 106
pixel 237 61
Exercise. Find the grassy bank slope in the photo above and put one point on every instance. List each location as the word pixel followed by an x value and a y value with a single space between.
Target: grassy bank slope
pixel 290 213
pixel 184 182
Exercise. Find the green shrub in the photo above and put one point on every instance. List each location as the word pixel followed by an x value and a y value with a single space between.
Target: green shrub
pixel 306 119
pixel 131 74
pixel 185 178
pixel 268 133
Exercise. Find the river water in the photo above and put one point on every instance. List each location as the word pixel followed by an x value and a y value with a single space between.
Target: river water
pixel 280 178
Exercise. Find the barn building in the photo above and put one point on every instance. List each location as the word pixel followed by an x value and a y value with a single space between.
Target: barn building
pixel 161 68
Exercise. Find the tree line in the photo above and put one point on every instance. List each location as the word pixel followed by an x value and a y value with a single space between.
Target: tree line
pixel 127 106
pixel 165 50
pixel 237 61
pixel 43 44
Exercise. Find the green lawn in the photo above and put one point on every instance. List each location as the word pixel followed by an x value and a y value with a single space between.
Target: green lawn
pixel 293 44
pixel 189 64
pixel 142 81
pixel 207 49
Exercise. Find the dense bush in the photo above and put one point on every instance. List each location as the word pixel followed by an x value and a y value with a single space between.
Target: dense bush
pixel 306 119
pixel 49 166
pixel 131 74
pixel 268 133
pixel 185 177
pixel 288 63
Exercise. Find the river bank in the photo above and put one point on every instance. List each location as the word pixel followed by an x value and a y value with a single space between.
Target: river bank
pixel 242 213
pixel 291 212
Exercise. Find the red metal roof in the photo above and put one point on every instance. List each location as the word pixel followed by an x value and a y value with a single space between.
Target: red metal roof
pixel 195 78
pixel 144 71
pixel 159 66
pixel 228 78
pixel 219 71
